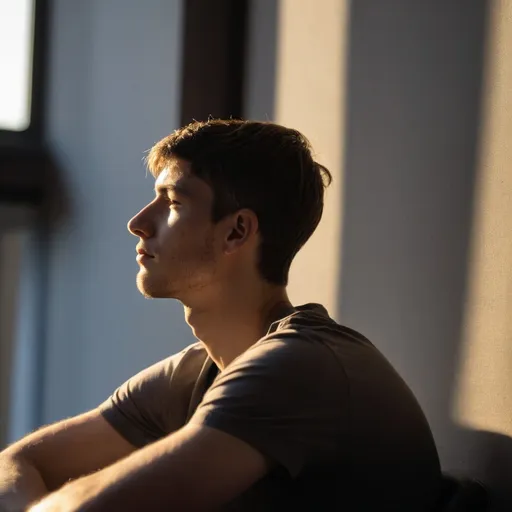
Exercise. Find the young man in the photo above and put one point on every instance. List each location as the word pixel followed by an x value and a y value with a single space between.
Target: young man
pixel 276 407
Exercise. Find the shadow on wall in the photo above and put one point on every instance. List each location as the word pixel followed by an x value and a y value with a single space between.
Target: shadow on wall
pixel 414 95
pixel 496 467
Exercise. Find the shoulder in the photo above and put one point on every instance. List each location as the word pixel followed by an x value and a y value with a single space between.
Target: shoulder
pixel 178 372
pixel 155 401
pixel 287 347
pixel 282 364
pixel 189 359
pixel 301 341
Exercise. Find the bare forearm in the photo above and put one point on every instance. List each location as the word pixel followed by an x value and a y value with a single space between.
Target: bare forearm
pixel 123 486
pixel 20 484
pixel 195 468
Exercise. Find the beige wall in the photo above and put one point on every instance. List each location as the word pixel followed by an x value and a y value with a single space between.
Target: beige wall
pixel 311 47
pixel 296 77
pixel 483 397
pixel 413 249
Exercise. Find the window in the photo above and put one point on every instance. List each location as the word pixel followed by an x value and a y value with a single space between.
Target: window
pixel 16 59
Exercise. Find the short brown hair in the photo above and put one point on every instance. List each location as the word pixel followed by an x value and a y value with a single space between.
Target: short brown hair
pixel 261 166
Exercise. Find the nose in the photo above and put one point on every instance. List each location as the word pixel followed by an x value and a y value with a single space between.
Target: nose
pixel 140 224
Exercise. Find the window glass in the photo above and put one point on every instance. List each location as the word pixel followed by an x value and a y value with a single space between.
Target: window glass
pixel 16 48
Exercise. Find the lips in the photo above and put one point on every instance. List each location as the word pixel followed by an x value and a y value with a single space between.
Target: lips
pixel 144 252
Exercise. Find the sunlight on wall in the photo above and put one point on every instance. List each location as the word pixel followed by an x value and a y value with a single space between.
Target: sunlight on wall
pixel 484 394
pixel 16 37
pixel 310 91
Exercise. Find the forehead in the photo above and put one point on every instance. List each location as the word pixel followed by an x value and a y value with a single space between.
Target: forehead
pixel 178 175
pixel 177 170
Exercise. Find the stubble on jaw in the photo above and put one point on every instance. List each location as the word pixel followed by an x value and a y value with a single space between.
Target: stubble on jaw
pixel 195 275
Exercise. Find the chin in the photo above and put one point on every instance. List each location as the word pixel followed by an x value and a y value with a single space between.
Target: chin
pixel 152 288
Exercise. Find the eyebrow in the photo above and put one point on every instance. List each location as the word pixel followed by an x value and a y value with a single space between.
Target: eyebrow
pixel 180 190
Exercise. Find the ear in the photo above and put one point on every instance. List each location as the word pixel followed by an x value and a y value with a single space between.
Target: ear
pixel 241 228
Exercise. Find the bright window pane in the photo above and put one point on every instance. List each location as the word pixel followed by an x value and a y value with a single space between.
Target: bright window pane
pixel 16 45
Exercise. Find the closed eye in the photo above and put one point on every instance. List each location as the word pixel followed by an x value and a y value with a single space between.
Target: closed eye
pixel 167 198
pixel 172 202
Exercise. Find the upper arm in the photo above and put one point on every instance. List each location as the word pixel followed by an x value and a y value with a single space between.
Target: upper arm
pixel 153 403
pixel 72 448
pixel 221 465
pixel 195 468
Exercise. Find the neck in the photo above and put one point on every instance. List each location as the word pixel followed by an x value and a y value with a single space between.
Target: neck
pixel 236 319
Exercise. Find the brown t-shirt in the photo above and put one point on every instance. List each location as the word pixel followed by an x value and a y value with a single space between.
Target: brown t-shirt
pixel 344 430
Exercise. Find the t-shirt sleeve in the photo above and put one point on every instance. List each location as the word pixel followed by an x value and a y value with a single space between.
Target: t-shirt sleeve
pixel 138 408
pixel 286 396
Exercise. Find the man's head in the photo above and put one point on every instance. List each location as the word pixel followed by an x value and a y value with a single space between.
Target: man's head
pixel 231 196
